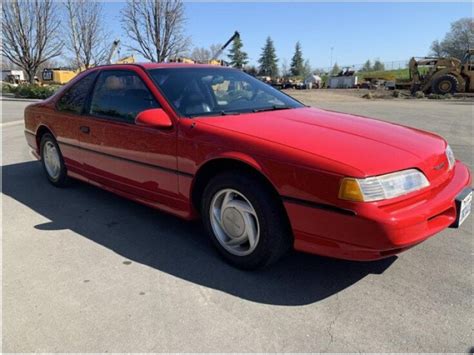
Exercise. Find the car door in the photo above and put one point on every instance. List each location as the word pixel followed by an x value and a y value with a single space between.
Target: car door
pixel 66 120
pixel 137 160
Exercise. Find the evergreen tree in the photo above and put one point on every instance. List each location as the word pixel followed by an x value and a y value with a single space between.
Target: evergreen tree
pixel 268 60
pixel 238 58
pixel 367 66
pixel 378 65
pixel 297 62
pixel 335 69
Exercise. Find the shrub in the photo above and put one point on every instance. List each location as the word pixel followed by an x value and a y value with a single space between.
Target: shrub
pixel 6 88
pixel 368 96
pixel 29 91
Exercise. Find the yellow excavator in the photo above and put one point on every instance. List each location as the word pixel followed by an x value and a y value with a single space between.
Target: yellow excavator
pixel 442 75
pixel 61 76
pixel 214 60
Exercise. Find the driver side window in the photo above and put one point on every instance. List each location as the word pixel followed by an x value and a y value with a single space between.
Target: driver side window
pixel 120 95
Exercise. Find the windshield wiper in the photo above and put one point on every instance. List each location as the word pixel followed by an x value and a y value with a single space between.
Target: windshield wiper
pixel 272 108
pixel 225 113
pixel 215 113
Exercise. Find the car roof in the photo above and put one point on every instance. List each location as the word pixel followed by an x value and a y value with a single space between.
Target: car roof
pixel 148 66
pixel 176 65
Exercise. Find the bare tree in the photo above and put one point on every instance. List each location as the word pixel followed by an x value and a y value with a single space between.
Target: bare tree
pixel 459 39
pixel 86 35
pixel 204 55
pixel 285 70
pixel 8 65
pixel 436 49
pixel 156 28
pixel 29 31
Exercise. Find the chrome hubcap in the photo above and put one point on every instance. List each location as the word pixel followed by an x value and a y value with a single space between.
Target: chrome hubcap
pixel 234 222
pixel 51 159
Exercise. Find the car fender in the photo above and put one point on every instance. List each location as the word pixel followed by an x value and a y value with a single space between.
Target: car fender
pixel 234 155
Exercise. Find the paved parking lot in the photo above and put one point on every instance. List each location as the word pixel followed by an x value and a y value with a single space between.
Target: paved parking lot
pixel 86 271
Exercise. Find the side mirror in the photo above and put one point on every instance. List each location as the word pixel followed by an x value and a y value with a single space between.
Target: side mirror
pixel 155 117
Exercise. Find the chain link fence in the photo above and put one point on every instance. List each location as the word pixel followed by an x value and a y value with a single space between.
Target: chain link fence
pixel 391 65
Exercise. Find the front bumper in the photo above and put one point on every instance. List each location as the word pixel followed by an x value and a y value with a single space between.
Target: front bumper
pixel 374 231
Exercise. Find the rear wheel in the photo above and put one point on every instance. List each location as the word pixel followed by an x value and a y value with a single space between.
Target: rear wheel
pixel 246 224
pixel 446 84
pixel 52 160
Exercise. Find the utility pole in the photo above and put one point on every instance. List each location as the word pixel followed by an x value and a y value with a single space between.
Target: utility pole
pixel 332 48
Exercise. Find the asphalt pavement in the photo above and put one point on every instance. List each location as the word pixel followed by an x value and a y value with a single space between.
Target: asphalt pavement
pixel 87 271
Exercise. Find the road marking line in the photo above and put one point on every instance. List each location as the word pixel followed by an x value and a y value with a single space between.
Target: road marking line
pixel 13 123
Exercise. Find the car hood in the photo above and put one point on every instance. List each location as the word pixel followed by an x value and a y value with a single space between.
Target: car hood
pixel 370 146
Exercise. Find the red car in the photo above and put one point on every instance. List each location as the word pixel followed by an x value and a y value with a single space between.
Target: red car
pixel 264 172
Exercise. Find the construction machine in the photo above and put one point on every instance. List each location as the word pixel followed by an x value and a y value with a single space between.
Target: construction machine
pixel 113 48
pixel 62 76
pixel 214 60
pixel 442 75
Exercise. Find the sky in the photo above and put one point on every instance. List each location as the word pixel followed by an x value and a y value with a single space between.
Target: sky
pixel 355 31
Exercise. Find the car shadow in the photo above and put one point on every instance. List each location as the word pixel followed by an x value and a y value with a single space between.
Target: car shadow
pixel 160 241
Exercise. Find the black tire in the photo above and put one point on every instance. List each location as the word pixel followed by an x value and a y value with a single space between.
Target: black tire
pixel 62 179
pixel 275 237
pixel 446 84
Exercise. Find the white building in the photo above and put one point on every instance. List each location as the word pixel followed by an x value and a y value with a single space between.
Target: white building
pixel 342 82
pixel 17 73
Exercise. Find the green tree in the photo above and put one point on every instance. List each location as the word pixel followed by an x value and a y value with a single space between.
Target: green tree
pixel 335 69
pixel 378 66
pixel 238 58
pixel 297 62
pixel 268 60
pixel 367 66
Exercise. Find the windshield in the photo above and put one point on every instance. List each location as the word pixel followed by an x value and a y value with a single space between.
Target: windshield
pixel 197 92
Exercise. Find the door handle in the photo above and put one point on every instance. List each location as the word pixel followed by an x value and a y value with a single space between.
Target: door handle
pixel 85 129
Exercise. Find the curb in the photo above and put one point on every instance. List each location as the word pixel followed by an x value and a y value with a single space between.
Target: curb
pixel 7 98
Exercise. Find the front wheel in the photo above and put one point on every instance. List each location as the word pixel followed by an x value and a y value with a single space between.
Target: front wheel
pixel 246 223
pixel 446 84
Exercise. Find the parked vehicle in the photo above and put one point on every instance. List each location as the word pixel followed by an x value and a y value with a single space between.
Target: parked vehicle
pixel 264 172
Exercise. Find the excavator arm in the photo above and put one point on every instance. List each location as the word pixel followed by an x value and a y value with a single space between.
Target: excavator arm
pixel 220 51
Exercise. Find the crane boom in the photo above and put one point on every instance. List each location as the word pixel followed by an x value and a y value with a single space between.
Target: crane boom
pixel 219 52
pixel 112 50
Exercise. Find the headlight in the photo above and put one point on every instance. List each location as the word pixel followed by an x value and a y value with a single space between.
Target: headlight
pixel 382 187
pixel 450 156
